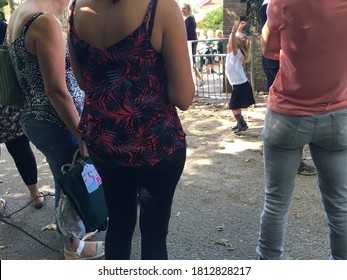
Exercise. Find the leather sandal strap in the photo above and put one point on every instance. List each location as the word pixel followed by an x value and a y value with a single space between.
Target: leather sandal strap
pixel 80 247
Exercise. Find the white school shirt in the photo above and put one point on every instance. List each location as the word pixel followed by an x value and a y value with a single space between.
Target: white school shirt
pixel 234 68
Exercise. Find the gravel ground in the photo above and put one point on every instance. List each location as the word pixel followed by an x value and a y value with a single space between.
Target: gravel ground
pixel 215 214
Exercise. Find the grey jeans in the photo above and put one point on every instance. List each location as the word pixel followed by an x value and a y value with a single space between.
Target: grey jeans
pixel 284 137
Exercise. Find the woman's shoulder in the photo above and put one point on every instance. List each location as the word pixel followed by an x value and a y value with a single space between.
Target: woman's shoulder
pixel 45 21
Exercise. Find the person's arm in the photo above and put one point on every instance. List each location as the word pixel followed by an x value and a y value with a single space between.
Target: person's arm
pixel 271 31
pixel 241 27
pixel 270 43
pixel 49 45
pixel 181 88
pixel 233 40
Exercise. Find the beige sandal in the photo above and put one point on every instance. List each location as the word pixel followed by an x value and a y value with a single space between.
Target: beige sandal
pixel 89 235
pixel 40 204
pixel 77 255
pixel 2 208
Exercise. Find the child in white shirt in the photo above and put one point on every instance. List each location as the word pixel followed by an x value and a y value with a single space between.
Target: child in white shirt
pixel 242 93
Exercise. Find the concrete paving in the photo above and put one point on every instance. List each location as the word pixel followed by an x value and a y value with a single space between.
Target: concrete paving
pixel 209 221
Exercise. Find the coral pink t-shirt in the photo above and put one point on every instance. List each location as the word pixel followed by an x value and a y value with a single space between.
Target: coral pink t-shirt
pixel 312 78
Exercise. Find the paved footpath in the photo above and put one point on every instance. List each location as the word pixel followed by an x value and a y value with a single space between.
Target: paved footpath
pixel 208 223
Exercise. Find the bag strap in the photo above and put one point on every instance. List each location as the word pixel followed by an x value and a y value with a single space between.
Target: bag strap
pixel 30 21
pixel 68 166
pixel 149 17
pixel 76 158
pixel 72 7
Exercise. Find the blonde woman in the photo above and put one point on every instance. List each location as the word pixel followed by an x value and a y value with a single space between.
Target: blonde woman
pixel 219 50
pixel 192 34
pixel 18 144
pixel 53 101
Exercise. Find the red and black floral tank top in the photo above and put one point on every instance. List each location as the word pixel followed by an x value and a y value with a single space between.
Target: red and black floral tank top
pixel 127 119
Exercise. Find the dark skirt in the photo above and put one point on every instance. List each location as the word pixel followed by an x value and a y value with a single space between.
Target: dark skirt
pixel 242 96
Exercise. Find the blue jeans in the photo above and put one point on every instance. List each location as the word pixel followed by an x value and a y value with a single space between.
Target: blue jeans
pixel 57 144
pixel 284 137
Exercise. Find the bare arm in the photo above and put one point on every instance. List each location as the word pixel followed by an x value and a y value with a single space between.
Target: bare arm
pixel 233 40
pixel 49 46
pixel 236 29
pixel 270 43
pixel 181 88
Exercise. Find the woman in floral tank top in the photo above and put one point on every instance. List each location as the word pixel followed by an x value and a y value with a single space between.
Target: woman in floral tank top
pixel 127 61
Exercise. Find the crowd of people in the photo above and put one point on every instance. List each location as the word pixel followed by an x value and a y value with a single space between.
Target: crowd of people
pixel 111 87
pixel 129 127
pixel 204 50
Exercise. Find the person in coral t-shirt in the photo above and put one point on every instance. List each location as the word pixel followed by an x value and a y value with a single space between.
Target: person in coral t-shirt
pixel 307 105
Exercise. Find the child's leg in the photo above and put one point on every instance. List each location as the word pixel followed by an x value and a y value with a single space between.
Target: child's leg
pixel 241 123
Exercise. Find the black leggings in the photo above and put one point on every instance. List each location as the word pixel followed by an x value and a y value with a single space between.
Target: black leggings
pixel 24 159
pixel 156 187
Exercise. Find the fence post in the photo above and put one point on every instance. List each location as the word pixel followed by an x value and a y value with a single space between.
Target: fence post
pixel 252 62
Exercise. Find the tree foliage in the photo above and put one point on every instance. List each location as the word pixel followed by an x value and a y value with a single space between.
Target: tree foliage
pixel 3 3
pixel 8 6
pixel 254 14
pixel 212 20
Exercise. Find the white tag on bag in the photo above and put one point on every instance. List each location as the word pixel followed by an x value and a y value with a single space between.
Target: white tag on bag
pixel 91 178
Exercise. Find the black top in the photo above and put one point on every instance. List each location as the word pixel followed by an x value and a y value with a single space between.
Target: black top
pixel 267 63
pixel 191 28
pixel 191 31
pixel 3 27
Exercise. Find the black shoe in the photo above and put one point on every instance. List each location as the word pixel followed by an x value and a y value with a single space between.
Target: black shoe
pixel 305 169
pixel 241 127
pixel 233 128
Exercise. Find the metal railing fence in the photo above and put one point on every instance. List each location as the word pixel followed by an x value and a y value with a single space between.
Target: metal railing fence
pixel 216 84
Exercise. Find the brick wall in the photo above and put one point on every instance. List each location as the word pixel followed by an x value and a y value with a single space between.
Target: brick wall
pixel 233 10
